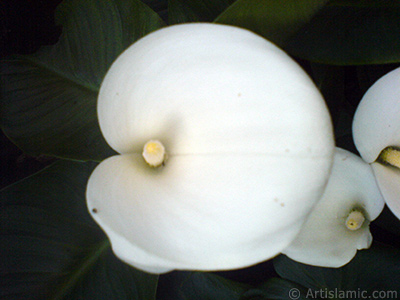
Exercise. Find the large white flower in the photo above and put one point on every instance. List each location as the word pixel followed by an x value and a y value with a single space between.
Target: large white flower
pixel 339 223
pixel 225 144
pixel 376 131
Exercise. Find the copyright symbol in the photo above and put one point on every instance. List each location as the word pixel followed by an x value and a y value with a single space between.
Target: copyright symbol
pixel 294 294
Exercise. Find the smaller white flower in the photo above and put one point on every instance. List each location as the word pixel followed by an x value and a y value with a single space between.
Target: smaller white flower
pixel 376 131
pixel 339 223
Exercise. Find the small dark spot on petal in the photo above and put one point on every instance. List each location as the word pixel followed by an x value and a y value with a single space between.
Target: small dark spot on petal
pixel 94 210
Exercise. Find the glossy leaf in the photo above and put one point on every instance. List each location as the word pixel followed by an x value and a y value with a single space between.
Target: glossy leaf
pixel 275 20
pixel 183 11
pixel 376 269
pixel 277 289
pixel 159 6
pixel 52 249
pixel 341 32
pixel 49 98
pixel 199 286
pixel 350 33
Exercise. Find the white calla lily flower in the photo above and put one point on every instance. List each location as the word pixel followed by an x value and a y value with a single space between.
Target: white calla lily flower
pixel 225 144
pixel 338 226
pixel 376 131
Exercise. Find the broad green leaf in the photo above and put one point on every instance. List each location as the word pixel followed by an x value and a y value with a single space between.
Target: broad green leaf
pixel 200 286
pixel 183 11
pixel 350 32
pixel 275 20
pixel 52 249
pixel 159 6
pixel 375 269
pixel 48 99
pixel 341 32
pixel 276 288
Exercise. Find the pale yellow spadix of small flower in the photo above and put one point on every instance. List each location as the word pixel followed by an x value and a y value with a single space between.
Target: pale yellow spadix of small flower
pixel 376 131
pixel 355 220
pixel 249 143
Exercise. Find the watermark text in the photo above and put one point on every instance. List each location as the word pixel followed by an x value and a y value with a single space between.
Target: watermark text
pixel 295 294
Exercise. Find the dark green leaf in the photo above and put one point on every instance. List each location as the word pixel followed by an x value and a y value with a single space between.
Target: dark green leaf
pixel 341 32
pixel 52 249
pixel 49 98
pixel 159 6
pixel 200 286
pixel 183 11
pixel 277 288
pixel 308 276
pixel 350 32
pixel 275 20
pixel 374 270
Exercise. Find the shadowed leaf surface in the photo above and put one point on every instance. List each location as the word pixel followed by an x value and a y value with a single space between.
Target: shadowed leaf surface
pixel 52 249
pixel 199 286
pixel 339 32
pixel 375 269
pixel 182 11
pixel 48 99
pixel 275 20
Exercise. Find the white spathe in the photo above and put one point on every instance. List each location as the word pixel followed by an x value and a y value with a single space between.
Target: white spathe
pixel 248 143
pixel 325 240
pixel 376 126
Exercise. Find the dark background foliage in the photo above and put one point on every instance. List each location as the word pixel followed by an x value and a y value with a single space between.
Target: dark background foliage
pixel 27 25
